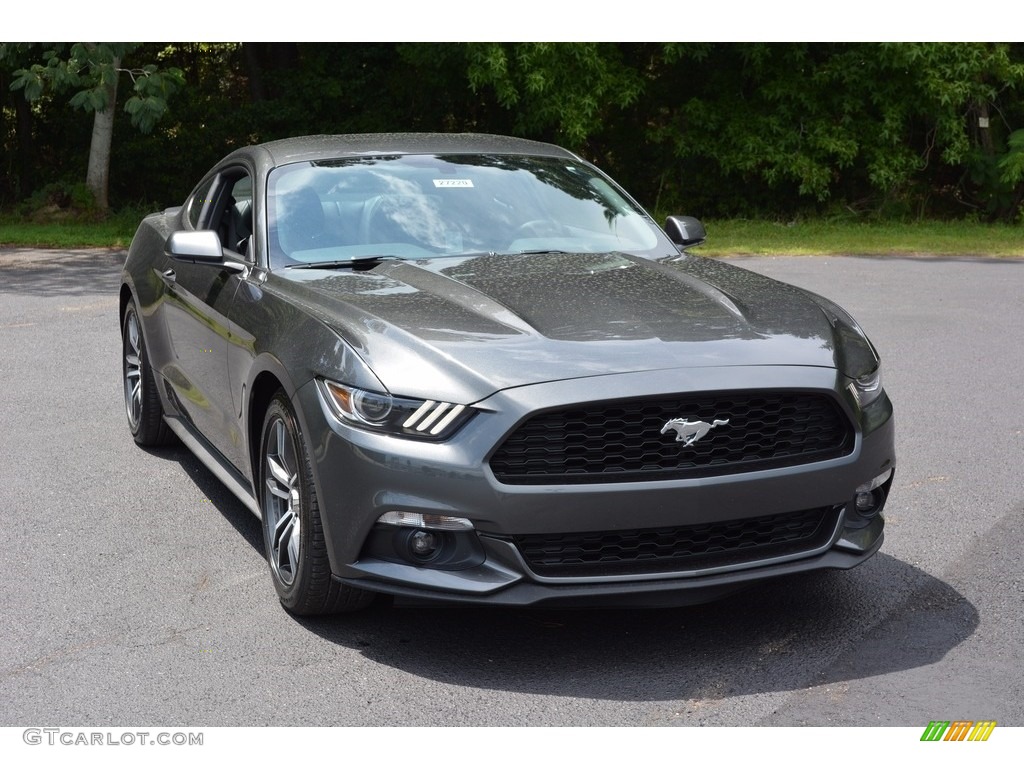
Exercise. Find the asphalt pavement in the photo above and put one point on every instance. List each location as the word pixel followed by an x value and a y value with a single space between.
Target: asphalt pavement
pixel 135 589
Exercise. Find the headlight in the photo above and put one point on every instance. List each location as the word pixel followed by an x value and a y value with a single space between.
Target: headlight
pixel 867 388
pixel 383 412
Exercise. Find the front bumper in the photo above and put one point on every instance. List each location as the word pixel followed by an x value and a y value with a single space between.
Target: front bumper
pixel 493 584
pixel 361 475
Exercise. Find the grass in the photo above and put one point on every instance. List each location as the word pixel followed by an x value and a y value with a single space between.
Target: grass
pixel 114 232
pixel 725 238
pixel 816 238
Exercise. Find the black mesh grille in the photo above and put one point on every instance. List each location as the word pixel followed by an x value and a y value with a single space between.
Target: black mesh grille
pixel 692 547
pixel 622 441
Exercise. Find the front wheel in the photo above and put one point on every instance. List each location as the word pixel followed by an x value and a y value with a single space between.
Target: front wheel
pixel 141 399
pixel 292 532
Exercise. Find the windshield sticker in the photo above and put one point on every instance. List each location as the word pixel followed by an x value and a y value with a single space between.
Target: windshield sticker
pixel 453 182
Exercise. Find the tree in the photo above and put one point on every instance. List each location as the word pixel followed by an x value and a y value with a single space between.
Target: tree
pixel 779 130
pixel 566 89
pixel 92 71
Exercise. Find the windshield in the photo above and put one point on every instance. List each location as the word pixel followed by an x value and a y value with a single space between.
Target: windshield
pixel 419 206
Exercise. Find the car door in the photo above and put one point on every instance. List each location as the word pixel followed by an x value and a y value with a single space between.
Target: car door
pixel 196 311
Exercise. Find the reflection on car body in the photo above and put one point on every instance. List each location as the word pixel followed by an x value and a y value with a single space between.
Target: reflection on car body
pixel 471 368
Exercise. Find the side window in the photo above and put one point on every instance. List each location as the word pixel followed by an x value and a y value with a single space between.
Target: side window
pixel 225 206
pixel 199 203
pixel 236 222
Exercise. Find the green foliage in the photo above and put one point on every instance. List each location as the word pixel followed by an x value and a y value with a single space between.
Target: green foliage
pixel 86 68
pixel 785 131
pixel 152 89
pixel 60 201
pixel 567 89
pixel 871 124
pixel 89 69
pixel 1011 164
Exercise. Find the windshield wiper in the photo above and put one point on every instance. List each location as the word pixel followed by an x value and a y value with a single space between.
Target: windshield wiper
pixel 359 261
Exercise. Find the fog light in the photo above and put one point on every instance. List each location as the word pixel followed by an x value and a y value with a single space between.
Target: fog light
pixel 869 497
pixel 422 544
pixel 866 502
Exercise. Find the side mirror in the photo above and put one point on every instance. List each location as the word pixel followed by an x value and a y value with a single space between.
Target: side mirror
pixel 201 247
pixel 685 231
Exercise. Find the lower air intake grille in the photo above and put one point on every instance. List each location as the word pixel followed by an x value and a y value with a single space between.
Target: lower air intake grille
pixel 682 548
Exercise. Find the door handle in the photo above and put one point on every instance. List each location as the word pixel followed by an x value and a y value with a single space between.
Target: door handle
pixel 169 275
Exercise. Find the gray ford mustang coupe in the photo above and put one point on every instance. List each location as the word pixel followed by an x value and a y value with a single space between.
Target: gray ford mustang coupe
pixel 471 368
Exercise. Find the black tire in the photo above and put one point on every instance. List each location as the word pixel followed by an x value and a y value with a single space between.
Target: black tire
pixel 294 539
pixel 142 403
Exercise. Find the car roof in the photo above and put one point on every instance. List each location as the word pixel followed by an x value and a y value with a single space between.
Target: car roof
pixel 307 148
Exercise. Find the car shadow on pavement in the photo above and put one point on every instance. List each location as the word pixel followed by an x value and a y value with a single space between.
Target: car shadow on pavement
pixel 233 511
pixel 788 634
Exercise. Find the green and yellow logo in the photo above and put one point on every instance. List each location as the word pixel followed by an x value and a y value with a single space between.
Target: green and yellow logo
pixel 958 730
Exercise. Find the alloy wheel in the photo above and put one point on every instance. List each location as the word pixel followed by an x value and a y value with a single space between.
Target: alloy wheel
pixel 133 370
pixel 282 502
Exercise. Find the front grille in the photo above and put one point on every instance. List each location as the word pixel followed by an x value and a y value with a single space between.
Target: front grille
pixel 622 441
pixel 681 548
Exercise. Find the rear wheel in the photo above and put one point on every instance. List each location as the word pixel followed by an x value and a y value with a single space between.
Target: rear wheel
pixel 141 398
pixel 292 532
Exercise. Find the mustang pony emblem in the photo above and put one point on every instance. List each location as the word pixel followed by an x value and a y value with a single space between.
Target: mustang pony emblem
pixel 689 432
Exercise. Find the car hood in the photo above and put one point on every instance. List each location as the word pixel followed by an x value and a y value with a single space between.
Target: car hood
pixel 462 328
